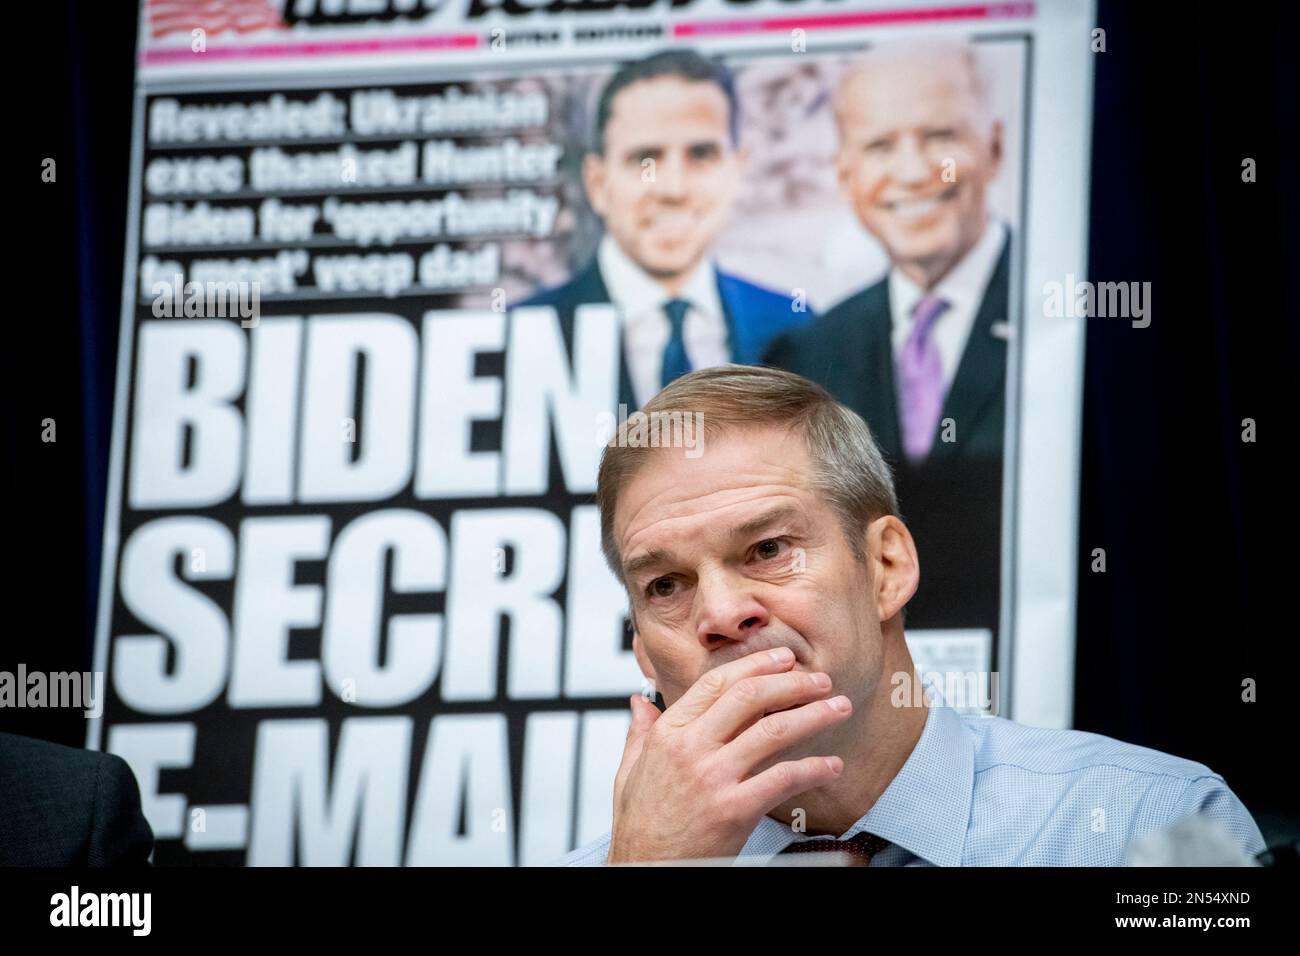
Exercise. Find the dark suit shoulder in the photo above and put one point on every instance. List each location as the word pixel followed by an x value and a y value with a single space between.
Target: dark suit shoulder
pixel 838 328
pixel 867 305
pixel 584 286
pixel 551 295
pixel 64 806
pixel 26 758
pixel 121 835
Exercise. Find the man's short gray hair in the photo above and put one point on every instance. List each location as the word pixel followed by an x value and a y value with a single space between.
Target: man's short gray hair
pixel 850 471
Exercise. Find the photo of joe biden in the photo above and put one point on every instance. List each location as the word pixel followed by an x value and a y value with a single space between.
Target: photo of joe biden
pixel 921 354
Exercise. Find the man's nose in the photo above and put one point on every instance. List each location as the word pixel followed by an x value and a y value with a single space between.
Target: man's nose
pixel 670 177
pixel 726 609
pixel 911 166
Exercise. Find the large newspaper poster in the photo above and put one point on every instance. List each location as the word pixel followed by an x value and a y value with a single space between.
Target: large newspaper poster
pixel 384 267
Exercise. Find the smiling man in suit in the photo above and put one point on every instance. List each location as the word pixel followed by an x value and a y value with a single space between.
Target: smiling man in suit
pixel 921 354
pixel 663 171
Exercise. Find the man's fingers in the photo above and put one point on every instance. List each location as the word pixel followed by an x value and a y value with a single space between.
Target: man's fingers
pixel 750 698
pixel 779 783
pixel 777 732
pixel 713 684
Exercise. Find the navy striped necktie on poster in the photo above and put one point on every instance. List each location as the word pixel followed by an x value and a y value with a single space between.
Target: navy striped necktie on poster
pixel 675 362
pixel 860 847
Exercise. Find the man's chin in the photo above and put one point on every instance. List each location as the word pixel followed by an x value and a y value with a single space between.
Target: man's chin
pixel 928 256
pixel 916 241
pixel 667 267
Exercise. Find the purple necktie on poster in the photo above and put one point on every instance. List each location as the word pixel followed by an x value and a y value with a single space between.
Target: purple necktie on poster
pixel 920 379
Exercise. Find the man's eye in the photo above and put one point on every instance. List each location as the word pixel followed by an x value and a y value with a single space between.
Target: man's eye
pixel 662 587
pixel 768 549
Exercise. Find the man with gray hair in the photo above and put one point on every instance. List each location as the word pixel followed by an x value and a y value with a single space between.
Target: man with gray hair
pixel 766 581
pixel 921 354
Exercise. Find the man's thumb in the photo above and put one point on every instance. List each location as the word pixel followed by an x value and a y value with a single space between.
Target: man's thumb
pixel 644 714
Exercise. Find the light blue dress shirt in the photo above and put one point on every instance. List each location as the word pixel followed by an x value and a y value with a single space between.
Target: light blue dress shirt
pixel 986 791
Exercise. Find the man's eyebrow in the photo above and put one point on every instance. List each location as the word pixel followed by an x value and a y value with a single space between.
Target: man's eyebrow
pixel 640 149
pixel 753 526
pixel 643 561
pixel 764 521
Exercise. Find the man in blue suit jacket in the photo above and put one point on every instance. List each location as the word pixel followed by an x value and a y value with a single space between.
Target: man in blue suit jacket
pixel 663 172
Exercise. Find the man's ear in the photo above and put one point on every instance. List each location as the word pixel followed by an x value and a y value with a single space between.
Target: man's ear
pixel 593 181
pixel 742 156
pixel 642 659
pixel 843 170
pixel 995 148
pixel 892 552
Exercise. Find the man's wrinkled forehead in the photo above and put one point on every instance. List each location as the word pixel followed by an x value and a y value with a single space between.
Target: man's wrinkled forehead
pixel 742 469
pixel 885 87
pixel 653 110
pixel 737 525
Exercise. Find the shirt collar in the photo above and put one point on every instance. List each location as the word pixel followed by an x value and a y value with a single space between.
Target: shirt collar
pixel 926 807
pixel 963 287
pixel 636 292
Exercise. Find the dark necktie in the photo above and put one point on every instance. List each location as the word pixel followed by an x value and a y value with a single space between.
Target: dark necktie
pixel 860 848
pixel 675 362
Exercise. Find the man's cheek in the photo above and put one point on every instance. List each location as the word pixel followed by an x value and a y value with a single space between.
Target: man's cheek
pixel 674 679
pixel 630 190
pixel 969 157
pixel 877 221
pixel 723 185
pixel 710 220
pixel 866 193
pixel 635 200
